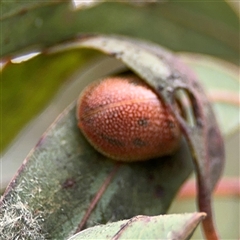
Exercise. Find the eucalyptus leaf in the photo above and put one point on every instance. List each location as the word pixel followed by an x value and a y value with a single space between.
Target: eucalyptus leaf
pixel 180 26
pixel 175 226
pixel 29 86
pixel 14 7
pixel 55 186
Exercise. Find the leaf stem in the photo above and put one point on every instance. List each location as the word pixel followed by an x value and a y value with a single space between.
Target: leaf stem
pixel 224 96
pixel 227 187
pixel 204 204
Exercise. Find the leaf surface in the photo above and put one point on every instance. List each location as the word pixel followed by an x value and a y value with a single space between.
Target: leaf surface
pixel 60 178
pixel 175 226
pixel 29 86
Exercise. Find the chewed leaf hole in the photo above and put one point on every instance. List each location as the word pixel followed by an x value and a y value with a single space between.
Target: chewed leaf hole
pixel 185 106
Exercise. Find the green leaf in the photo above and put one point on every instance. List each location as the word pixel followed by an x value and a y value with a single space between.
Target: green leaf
pixel 30 85
pixel 58 181
pixel 175 226
pixel 14 7
pixel 207 27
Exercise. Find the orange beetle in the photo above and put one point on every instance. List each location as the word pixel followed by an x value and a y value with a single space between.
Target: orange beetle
pixel 124 119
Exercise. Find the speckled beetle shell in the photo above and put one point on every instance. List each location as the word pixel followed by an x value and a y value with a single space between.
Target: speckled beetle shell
pixel 124 119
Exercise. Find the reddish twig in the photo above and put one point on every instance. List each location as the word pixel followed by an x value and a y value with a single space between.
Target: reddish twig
pixel 224 96
pixel 227 187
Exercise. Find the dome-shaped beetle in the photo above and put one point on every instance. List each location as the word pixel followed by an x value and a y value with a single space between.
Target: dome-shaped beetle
pixel 124 119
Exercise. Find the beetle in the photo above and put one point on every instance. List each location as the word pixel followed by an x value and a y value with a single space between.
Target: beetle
pixel 124 119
